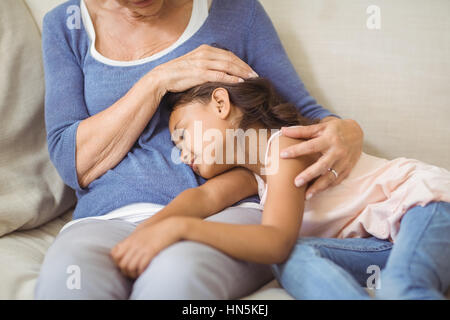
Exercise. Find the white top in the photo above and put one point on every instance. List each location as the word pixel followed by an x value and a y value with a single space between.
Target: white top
pixel 200 10
pixel 262 187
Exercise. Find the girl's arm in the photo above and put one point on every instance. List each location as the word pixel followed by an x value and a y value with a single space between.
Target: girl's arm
pixel 270 242
pixel 133 254
pixel 273 240
pixel 213 196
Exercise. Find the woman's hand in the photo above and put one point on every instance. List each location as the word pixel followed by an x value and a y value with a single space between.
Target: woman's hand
pixel 340 143
pixel 205 63
pixel 133 254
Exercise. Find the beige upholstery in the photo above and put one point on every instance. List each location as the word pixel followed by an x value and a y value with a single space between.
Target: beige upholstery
pixel 31 190
pixel 21 255
pixel 393 81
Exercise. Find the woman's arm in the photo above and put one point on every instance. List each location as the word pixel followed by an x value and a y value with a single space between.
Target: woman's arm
pixel 211 197
pixel 122 123
pixel 270 242
pixel 83 147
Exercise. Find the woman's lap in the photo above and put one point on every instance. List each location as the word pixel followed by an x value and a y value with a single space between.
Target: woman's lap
pixel 84 247
pixel 185 270
pixel 421 255
pixel 203 272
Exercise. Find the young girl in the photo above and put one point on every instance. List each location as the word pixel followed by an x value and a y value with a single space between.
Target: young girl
pixel 369 203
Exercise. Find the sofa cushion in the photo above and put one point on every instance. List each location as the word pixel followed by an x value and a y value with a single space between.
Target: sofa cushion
pixel 31 191
pixel 39 8
pixel 21 257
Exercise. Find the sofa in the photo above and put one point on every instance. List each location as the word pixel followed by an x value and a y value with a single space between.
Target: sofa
pixel 383 63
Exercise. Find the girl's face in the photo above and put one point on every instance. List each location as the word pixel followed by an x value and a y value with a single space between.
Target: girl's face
pixel 199 131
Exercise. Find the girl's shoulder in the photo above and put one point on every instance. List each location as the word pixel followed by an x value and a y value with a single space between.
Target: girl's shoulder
pixel 275 166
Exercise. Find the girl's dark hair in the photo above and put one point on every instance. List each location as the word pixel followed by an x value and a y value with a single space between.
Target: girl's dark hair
pixel 255 97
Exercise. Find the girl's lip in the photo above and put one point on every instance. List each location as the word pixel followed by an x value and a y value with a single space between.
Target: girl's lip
pixel 142 4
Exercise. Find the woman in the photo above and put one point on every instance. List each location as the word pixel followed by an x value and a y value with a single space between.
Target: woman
pixel 109 140
pixel 403 200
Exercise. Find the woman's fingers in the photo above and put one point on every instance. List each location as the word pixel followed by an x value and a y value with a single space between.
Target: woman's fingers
pixel 201 65
pixel 328 179
pixel 339 142
pixel 317 145
pixel 304 132
pixel 226 67
pixel 218 76
pixel 315 170
pixel 214 53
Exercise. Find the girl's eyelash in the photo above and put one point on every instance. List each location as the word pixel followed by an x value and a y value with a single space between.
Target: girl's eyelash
pixel 179 138
pixel 182 135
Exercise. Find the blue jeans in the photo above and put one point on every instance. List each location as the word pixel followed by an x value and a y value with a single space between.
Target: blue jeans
pixel 417 266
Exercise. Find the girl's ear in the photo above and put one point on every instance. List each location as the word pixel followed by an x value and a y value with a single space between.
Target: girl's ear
pixel 221 103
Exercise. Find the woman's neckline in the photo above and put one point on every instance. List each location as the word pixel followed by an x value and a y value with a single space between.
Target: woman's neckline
pixel 191 29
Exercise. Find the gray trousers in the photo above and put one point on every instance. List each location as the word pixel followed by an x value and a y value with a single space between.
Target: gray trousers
pixel 78 266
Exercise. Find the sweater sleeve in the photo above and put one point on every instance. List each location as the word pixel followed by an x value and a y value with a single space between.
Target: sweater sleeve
pixel 267 56
pixel 64 97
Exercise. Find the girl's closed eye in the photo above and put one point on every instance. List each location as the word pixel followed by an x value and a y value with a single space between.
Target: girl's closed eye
pixel 178 137
pixel 181 137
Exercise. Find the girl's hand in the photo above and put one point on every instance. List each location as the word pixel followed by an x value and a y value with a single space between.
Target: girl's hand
pixel 133 254
pixel 340 143
pixel 203 64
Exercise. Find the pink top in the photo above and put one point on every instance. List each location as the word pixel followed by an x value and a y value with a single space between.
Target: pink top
pixel 372 199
